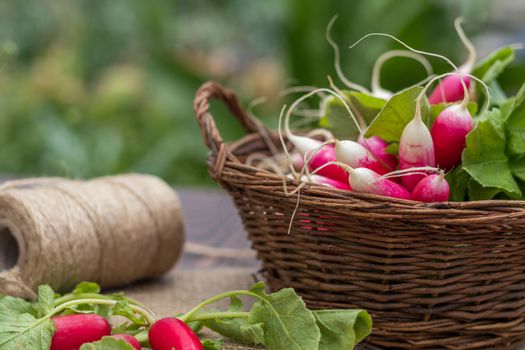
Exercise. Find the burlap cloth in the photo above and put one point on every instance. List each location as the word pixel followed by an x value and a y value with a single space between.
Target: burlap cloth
pixel 179 291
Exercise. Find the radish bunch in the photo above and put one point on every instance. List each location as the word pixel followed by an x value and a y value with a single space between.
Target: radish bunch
pixel 411 165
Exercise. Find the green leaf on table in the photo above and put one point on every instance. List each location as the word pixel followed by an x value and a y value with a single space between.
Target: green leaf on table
pixel 485 160
pixel 122 308
pixel 86 287
pixel 11 308
pixel 476 192
pixel 212 344
pixel 493 65
pixel 108 343
pixel 286 322
pixel 342 329
pixel 395 114
pixel 235 328
pixel 337 119
pixel 45 301
pixel 26 332
pixel 515 113
pixel 458 180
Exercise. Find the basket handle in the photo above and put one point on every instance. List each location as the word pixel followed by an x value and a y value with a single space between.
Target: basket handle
pixel 211 135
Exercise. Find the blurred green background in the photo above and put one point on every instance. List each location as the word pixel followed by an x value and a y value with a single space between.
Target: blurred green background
pixel 94 87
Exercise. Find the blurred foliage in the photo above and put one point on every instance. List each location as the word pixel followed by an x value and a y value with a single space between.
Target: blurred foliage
pixel 93 87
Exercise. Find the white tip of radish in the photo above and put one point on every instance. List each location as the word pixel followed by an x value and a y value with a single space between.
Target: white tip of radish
pixel 363 180
pixel 415 145
pixel 304 144
pixel 350 153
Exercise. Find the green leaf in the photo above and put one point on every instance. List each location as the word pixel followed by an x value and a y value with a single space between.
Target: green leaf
pixel 108 343
pixel 458 180
pixel 122 308
pixel 485 160
pixel 86 287
pixel 517 166
pixel 212 344
pixel 287 323
pixel 45 301
pixel 11 308
pixel 396 113
pixel 342 329
pixel 493 65
pixel 477 192
pixel 516 123
pixel 393 148
pixel 25 332
pixel 336 118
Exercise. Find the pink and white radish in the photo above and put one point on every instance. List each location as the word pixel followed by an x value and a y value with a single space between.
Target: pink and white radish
pixel 364 180
pixel 449 133
pixel 316 153
pixel 378 147
pixel 451 89
pixel 326 181
pixel 357 156
pixel 432 188
pixel 416 148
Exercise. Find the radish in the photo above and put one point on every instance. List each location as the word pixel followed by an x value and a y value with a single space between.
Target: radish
pixel 416 148
pixel 449 133
pixel 71 331
pixel 365 180
pixel 131 340
pixel 173 334
pixel 316 153
pixel 325 181
pixel 432 188
pixel 451 88
pixel 378 147
pixel 357 156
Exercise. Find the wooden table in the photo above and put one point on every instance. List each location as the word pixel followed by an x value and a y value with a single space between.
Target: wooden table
pixel 212 221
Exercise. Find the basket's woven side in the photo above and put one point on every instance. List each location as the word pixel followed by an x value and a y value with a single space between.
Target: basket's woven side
pixel 457 286
pixel 433 276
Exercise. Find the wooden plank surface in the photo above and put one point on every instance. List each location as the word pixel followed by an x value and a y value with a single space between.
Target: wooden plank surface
pixel 212 222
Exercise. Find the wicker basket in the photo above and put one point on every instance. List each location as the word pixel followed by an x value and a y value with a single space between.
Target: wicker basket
pixel 433 276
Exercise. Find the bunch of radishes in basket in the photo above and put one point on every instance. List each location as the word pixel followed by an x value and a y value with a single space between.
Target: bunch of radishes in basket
pixel 408 145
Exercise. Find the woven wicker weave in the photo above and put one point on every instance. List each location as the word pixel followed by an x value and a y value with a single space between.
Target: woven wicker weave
pixel 433 276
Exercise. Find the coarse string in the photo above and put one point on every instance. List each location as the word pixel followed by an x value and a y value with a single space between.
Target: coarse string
pixel 337 60
pixel 69 231
pixel 377 89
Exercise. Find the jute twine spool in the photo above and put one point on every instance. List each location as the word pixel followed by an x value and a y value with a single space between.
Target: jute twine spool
pixel 111 230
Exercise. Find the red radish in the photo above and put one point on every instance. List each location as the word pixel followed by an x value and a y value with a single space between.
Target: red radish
pixel 416 149
pixel 325 181
pixel 449 132
pixel 432 188
pixel 357 156
pixel 378 147
pixel 71 331
pixel 452 88
pixel 131 340
pixel 173 334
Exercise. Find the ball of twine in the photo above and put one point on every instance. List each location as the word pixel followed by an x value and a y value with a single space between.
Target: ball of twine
pixel 112 230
